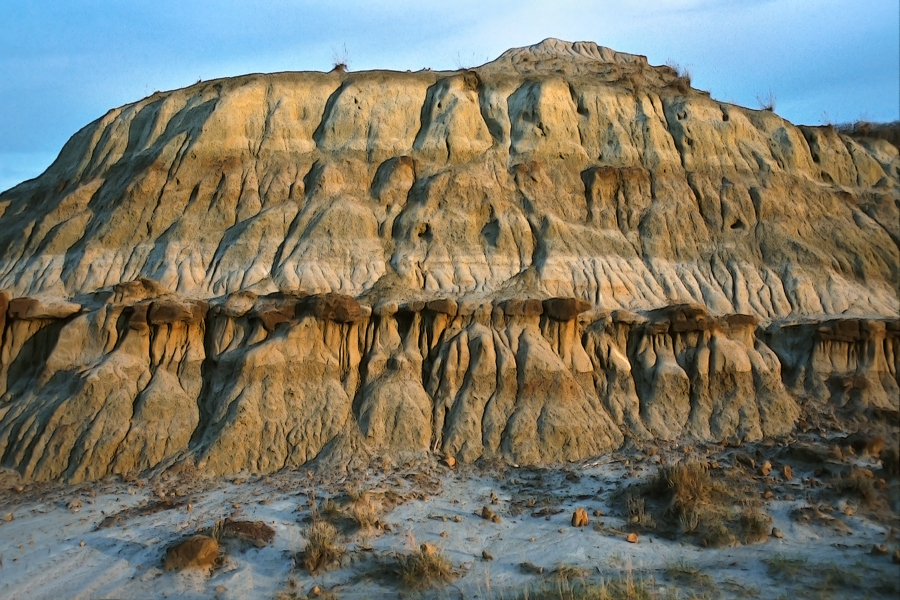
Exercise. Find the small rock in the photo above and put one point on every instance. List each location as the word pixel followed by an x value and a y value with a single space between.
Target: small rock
pixel 251 532
pixel 486 513
pixel 8 517
pixel 580 518
pixel 457 519
pixel 428 549
pixel 777 533
pixel 632 538
pixel 387 527
pixel 81 543
pixel 496 518
pixel 486 555
pixel 444 534
pixel 532 539
pixel 879 550
pixel 598 513
pixel 221 589
pixel 315 592
pixel 449 461
pixel 848 511
pixel 896 556
pixel 494 499
pixel 768 495
pixel 765 469
pixel 198 551
pixel 74 505
pixel 744 459
pixel 787 472
pixel 531 568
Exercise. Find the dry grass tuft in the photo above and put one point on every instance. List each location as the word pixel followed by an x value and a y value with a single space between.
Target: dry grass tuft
pixel 637 512
pixel 889 132
pixel 570 572
pixel 363 514
pixel 424 568
pixel 688 487
pixel 620 589
pixel 681 77
pixel 691 502
pixel 766 102
pixel 322 549
pixel 859 483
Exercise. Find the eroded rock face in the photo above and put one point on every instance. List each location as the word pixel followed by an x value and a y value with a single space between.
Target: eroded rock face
pixel 845 361
pixel 528 261
pixel 584 172
pixel 124 387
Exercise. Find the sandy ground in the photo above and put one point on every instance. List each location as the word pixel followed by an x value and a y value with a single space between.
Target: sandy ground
pixel 108 539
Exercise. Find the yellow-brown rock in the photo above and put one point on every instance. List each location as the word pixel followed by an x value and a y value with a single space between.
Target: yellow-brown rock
pixel 526 261
pixel 198 552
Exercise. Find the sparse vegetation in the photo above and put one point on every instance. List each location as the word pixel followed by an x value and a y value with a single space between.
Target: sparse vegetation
pixel 781 566
pixel 340 59
pixel 859 483
pixel 618 589
pixel 691 576
pixel 570 572
pixel 682 77
pixel 766 102
pixel 688 500
pixel 862 129
pixel 637 512
pixel 424 568
pixel 322 549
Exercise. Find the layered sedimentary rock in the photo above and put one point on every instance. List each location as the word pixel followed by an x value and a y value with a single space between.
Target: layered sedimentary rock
pixel 532 261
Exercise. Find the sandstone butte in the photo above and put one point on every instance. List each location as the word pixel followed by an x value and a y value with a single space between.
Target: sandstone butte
pixel 530 261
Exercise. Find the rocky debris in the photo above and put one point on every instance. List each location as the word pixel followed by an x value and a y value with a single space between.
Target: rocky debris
pixel 197 551
pixel 632 538
pixel 255 533
pixel 531 568
pixel 580 518
pixel 777 533
pixel 487 556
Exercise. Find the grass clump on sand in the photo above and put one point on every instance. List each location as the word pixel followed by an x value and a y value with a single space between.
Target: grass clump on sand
pixel 621 589
pixel 688 500
pixel 322 549
pixel 424 568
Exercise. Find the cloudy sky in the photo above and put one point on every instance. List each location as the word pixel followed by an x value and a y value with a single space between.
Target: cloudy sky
pixel 63 63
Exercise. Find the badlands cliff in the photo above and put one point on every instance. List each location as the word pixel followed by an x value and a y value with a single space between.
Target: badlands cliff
pixel 533 260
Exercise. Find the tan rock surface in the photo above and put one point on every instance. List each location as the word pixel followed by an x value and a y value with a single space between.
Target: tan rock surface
pixel 527 261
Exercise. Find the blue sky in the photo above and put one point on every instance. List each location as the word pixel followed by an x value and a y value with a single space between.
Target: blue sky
pixel 65 63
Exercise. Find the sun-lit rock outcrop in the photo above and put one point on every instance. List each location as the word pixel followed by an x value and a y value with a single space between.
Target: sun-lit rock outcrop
pixel 531 261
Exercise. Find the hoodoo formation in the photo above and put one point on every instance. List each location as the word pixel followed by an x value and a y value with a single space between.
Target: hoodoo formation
pixel 533 260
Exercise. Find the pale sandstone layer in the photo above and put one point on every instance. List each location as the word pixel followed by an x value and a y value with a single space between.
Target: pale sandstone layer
pixel 345 263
